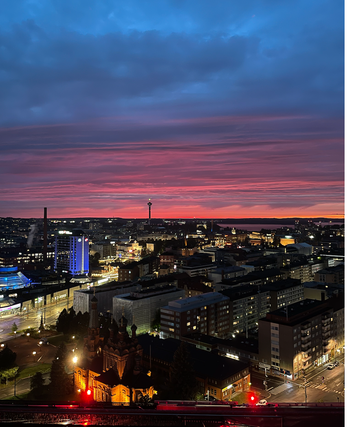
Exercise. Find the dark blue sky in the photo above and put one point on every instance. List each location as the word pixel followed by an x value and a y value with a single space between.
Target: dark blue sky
pixel 212 109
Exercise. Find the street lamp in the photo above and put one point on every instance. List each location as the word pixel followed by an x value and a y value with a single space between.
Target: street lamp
pixel 305 383
pixel 74 361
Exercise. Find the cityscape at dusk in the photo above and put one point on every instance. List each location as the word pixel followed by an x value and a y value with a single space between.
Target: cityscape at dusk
pixel 172 213
pixel 227 110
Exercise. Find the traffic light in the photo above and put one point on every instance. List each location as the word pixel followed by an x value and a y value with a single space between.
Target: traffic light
pixel 251 398
pixel 89 392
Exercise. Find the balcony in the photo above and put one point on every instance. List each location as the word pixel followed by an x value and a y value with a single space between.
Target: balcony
pixel 325 328
pixel 326 316
pixel 305 338
pixel 306 357
pixel 305 328
pixel 325 335
pixel 305 347
pixel 326 348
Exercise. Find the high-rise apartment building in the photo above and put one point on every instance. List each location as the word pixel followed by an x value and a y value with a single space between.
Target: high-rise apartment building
pixel 207 313
pixel 307 333
pixel 72 252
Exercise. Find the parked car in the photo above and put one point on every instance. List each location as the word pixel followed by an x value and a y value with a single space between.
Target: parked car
pixel 336 363
pixel 262 402
pixel 331 366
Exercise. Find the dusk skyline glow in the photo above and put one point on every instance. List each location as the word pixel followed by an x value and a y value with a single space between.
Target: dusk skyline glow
pixel 226 110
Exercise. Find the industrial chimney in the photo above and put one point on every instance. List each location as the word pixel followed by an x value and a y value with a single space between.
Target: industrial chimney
pixel 44 236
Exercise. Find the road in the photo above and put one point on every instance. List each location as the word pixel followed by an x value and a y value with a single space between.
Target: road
pixel 331 389
pixel 33 319
pixel 20 387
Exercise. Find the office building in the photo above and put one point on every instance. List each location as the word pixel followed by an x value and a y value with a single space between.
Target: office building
pixel 141 307
pixel 72 252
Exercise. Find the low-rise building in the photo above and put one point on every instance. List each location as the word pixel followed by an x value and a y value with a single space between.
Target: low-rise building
pixel 128 272
pixel 217 376
pixel 82 298
pixel 331 275
pixel 141 307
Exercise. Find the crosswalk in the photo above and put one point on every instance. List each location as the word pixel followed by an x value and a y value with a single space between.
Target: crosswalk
pixel 283 387
pixel 324 387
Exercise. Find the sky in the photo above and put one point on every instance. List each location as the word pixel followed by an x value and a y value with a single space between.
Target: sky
pixel 212 109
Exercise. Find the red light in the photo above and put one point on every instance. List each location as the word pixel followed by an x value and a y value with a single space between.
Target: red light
pixel 89 392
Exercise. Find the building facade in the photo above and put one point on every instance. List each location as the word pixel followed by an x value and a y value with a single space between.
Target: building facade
pixel 206 313
pixel 72 252
pixel 141 306
pixel 296 337
pixel 112 370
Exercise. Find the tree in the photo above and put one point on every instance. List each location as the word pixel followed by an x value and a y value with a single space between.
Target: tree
pixel 156 321
pixel 36 384
pixel 7 358
pixel 9 373
pixel 183 384
pixel 14 327
pixel 60 381
pixel 69 323
pixel 63 322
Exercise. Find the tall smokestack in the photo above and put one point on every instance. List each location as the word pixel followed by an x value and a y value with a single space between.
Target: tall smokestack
pixel 44 236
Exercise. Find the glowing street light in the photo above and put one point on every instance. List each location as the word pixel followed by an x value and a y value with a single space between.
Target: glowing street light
pixel 74 360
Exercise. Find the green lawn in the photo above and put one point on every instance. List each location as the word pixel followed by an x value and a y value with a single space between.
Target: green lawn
pixel 18 397
pixel 56 340
pixel 31 370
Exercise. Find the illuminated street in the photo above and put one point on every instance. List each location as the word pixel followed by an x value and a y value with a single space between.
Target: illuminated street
pixel 50 314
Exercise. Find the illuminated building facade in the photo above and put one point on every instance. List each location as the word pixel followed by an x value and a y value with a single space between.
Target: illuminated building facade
pixel 72 252
pixel 112 370
pixel 304 334
pixel 11 278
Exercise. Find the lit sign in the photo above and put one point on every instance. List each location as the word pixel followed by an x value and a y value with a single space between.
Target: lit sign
pixel 233 356
pixel 64 232
pixel 10 307
pixel 86 240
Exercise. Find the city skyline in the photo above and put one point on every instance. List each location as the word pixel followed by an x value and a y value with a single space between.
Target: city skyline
pixel 211 111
